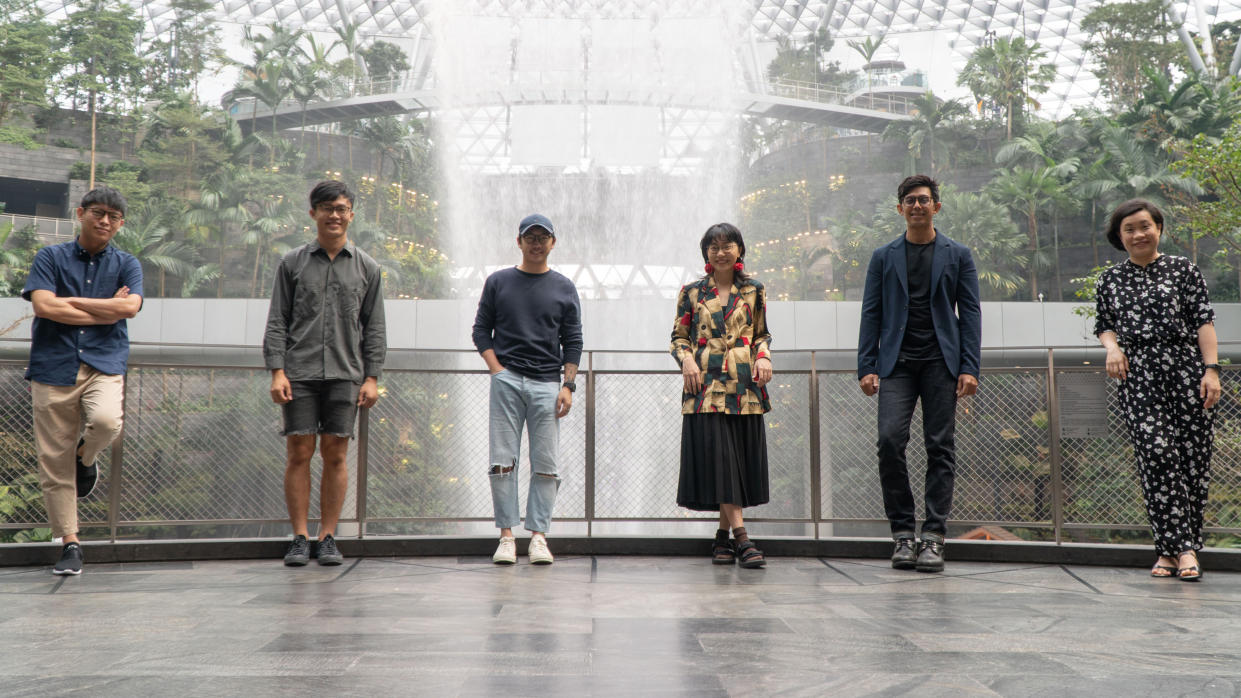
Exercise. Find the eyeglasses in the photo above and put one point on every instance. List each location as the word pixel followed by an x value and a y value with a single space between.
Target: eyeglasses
pixel 911 200
pixel 335 210
pixel 716 249
pixel 100 214
pixel 537 239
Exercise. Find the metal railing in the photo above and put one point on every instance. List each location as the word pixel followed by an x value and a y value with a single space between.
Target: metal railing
pixel 865 98
pixel 200 454
pixel 50 230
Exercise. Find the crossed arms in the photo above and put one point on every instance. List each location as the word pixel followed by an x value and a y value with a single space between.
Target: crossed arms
pixel 72 310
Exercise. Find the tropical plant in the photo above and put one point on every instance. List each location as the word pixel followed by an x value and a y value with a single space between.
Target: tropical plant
pixel 1126 37
pixel 1008 73
pixel 930 127
pixel 29 60
pixel 145 237
pixel 102 66
pixel 1029 192
pixel 984 226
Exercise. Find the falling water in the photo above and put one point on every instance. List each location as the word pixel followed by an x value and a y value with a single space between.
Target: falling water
pixel 618 124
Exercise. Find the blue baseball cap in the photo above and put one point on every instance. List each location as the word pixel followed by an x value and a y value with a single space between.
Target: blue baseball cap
pixel 535 220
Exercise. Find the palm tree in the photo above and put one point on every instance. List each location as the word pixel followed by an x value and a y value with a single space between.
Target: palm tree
pixel 1028 192
pixel 271 220
pixel 146 238
pixel 867 50
pixel 982 225
pixel 1172 115
pixel 1130 168
pixel 271 83
pixel 931 126
pixel 1009 74
pixel 221 210
pixel 313 79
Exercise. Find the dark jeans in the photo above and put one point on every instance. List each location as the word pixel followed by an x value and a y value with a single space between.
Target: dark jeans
pixel 898 394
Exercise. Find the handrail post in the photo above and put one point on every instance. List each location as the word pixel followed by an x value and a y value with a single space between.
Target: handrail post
pixel 1053 448
pixel 114 471
pixel 364 442
pixel 816 480
pixel 590 442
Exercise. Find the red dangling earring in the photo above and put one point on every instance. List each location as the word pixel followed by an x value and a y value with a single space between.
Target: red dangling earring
pixel 738 266
pixel 708 268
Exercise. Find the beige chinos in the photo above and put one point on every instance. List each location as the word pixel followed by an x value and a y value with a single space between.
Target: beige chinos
pixel 59 411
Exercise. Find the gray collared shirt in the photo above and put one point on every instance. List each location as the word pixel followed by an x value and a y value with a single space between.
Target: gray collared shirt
pixel 326 320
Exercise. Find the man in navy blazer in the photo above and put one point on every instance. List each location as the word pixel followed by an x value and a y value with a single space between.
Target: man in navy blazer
pixel 920 333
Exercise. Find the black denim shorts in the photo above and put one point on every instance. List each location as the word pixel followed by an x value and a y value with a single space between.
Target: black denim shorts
pixel 322 407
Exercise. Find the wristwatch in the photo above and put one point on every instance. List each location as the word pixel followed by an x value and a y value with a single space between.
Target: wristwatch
pixel 571 386
pixel 1214 366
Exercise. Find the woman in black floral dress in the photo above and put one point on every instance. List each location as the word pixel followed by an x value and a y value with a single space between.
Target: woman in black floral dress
pixel 1155 319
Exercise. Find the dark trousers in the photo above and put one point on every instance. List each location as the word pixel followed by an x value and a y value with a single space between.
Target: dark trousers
pixel 898 394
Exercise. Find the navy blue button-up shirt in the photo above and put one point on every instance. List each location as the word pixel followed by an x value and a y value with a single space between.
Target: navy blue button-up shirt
pixel 67 270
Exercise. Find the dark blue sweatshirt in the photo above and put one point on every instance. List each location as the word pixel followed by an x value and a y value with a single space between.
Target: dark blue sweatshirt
pixel 528 319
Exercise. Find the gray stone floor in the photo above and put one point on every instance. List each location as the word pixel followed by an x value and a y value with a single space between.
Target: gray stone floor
pixel 623 626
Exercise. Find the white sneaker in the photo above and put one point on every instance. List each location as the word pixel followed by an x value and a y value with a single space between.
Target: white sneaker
pixel 506 554
pixel 539 554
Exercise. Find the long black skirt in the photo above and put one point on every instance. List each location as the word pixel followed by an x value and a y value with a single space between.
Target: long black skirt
pixel 723 461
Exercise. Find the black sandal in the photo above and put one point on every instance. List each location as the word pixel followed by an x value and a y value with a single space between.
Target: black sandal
pixel 722 552
pixel 1189 574
pixel 749 556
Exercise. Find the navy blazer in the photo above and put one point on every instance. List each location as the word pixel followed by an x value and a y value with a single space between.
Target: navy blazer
pixel 955 310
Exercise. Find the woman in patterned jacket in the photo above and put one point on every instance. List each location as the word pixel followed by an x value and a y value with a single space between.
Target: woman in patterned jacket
pixel 720 341
pixel 1156 321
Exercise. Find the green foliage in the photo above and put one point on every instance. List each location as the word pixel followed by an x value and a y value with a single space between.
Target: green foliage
pixel 807 62
pixel 29 60
pixel 933 127
pixel 981 224
pixel 384 61
pixel 23 137
pixel 1086 287
pixel 1008 74
pixel 1125 39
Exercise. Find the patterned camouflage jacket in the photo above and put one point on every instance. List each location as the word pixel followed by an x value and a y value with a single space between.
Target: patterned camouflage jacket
pixel 726 341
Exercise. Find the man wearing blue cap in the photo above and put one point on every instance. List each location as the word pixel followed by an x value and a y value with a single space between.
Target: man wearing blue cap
pixel 529 325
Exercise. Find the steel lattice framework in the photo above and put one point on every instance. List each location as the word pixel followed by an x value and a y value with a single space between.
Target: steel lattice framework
pixel 965 24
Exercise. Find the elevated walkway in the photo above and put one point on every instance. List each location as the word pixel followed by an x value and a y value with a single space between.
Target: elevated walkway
pixel 870 111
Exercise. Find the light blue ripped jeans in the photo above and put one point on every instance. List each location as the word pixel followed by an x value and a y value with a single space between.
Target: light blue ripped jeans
pixel 516 401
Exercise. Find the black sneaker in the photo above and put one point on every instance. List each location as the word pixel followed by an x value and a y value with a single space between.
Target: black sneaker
pixel 328 554
pixel 70 560
pixel 88 477
pixel 904 557
pixel 299 552
pixel 931 553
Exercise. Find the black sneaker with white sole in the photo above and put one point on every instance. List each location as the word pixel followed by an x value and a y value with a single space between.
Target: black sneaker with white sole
pixel 328 553
pixel 70 560
pixel 88 475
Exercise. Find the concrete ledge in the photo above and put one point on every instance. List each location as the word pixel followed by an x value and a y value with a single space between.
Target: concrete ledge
pixel 36 554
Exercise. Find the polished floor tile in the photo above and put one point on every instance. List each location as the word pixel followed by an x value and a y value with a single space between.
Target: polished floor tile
pixel 615 626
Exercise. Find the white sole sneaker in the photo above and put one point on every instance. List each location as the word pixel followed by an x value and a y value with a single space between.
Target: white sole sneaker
pixel 506 553
pixel 539 554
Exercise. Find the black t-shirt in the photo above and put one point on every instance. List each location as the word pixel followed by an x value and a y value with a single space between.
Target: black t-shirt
pixel 919 343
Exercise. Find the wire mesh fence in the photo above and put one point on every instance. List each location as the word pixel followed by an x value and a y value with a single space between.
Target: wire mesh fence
pixel 201 446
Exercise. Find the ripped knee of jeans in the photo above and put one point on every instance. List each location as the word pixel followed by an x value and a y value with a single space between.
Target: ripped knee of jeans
pixel 545 477
pixel 501 471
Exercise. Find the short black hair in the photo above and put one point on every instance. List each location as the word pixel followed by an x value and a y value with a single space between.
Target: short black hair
pixel 913 182
pixel 327 191
pixel 105 196
pixel 724 233
pixel 1125 210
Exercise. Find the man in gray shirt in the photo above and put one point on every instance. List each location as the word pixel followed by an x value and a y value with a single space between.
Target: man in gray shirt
pixel 325 346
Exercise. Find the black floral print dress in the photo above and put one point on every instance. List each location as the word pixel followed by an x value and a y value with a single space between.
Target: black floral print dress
pixel 1155 312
